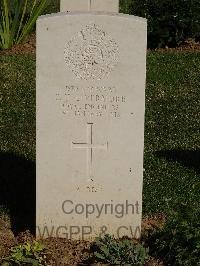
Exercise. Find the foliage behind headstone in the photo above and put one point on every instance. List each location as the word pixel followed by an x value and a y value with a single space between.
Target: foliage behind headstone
pixel 170 22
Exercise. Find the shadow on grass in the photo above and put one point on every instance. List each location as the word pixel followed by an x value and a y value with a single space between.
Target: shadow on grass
pixel 17 190
pixel 190 159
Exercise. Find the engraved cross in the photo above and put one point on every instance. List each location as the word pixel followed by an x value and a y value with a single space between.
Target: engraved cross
pixel 89 146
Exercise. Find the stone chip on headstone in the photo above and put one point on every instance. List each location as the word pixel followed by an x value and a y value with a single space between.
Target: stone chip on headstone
pixel 90 124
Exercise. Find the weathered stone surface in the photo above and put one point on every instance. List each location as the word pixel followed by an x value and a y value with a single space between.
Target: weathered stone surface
pixel 105 5
pixel 90 124
pixel 89 5
pixel 75 5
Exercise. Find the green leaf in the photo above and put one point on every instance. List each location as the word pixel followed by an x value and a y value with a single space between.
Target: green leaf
pixel 15 28
pixel 99 256
pixel 5 263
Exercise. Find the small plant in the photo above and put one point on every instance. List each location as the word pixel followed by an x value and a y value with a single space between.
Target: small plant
pixel 179 240
pixel 17 19
pixel 122 252
pixel 26 254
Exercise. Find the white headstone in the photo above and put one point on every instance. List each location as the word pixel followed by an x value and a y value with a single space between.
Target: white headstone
pixel 90 124
pixel 89 5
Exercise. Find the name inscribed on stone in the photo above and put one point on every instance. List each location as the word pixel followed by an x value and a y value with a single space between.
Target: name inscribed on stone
pixel 90 101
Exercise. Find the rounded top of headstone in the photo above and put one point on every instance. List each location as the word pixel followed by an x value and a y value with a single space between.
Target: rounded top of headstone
pixel 91 53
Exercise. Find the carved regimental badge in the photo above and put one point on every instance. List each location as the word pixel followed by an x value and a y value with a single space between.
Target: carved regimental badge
pixel 92 53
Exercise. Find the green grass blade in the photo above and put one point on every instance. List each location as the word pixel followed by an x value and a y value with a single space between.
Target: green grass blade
pixel 2 40
pixel 6 15
pixel 34 4
pixel 23 9
pixel 2 32
pixel 15 23
pixel 14 29
pixel 6 20
pixel 31 22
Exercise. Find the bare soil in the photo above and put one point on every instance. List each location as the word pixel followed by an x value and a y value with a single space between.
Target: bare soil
pixel 7 239
pixel 189 45
pixel 154 222
pixel 62 252
pixel 29 47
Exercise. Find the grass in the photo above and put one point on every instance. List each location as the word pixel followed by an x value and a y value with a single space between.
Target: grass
pixel 17 93
pixel 172 128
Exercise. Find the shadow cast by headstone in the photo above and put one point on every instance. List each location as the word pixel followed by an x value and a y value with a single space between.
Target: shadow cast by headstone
pixel 188 158
pixel 17 190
